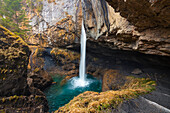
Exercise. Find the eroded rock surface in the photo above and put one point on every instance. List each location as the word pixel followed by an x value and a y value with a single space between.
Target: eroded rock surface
pixel 14 55
pixel 129 25
pixel 15 93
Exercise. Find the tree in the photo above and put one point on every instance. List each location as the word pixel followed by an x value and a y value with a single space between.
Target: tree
pixel 13 16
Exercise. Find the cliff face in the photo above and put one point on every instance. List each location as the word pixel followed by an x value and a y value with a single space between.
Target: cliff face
pixel 53 23
pixel 14 55
pixel 129 25
pixel 15 93
pixel 150 20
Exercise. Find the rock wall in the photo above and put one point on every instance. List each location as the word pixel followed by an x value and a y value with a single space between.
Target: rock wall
pixel 15 93
pixel 14 55
pixel 129 25
pixel 48 19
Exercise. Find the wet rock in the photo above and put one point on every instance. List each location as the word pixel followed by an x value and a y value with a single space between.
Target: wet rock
pixel 37 76
pixel 67 78
pixel 140 105
pixel 137 71
pixel 68 61
pixel 64 56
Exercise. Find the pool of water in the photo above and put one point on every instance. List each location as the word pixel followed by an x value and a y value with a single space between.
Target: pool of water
pixel 58 95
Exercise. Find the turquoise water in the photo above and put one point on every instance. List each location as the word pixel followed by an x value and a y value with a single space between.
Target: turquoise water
pixel 58 95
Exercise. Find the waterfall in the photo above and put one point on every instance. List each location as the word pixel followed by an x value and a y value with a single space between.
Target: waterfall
pixel 82 66
pixel 82 81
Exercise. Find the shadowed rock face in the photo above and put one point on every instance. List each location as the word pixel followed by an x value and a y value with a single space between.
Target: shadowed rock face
pixel 144 13
pixel 15 93
pixel 96 17
pixel 14 55
pixel 147 26
pixel 130 25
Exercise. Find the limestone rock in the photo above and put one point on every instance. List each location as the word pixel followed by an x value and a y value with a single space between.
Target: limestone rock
pixel 141 26
pixel 68 61
pixel 37 76
pixel 63 33
pixel 129 25
pixel 44 21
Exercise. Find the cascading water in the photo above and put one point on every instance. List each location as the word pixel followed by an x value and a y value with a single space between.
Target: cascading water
pixel 82 67
pixel 82 81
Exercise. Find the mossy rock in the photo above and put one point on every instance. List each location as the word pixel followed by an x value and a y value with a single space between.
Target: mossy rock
pixel 14 55
pixel 95 102
pixel 64 56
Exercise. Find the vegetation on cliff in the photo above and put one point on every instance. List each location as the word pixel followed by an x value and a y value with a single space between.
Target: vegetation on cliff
pixel 64 55
pixel 16 94
pixel 13 16
pixel 12 48
pixel 38 6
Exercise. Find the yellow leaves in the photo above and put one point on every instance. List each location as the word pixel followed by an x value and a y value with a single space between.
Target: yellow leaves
pixel 36 70
pixel 3 100
pixel 4 71
pixel 15 98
